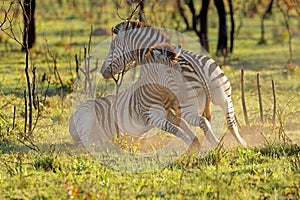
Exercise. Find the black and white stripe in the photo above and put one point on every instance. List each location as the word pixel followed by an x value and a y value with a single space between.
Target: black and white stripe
pixel 201 73
pixel 150 102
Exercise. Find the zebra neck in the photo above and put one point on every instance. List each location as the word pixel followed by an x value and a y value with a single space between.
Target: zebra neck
pixel 139 55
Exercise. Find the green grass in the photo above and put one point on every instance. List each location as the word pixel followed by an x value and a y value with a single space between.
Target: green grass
pixel 271 171
pixel 269 168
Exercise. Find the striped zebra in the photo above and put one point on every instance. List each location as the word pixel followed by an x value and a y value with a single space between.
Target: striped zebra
pixel 203 75
pixel 148 103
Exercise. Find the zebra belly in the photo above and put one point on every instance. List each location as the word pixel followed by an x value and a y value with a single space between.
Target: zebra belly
pixel 128 121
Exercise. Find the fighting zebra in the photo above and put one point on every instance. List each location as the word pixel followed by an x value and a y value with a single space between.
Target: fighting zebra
pixel 201 72
pixel 153 101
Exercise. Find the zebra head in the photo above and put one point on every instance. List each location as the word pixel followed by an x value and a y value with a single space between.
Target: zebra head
pixel 162 66
pixel 128 25
pixel 130 44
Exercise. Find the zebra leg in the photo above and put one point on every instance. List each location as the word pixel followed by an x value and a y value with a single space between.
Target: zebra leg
pixel 156 120
pixel 196 120
pixel 232 127
pixel 83 126
pixel 195 146
pixel 231 123
pixel 180 123
pixel 73 131
pixel 234 131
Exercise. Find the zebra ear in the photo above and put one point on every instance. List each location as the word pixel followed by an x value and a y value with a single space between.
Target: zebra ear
pixel 178 50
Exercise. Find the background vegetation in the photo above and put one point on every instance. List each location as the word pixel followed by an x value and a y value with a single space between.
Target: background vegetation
pixel 43 163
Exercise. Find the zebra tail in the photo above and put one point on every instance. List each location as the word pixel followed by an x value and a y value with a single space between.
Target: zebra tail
pixel 207 110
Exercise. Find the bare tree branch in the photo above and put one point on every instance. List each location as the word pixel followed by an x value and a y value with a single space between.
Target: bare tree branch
pixel 133 12
pixel 8 22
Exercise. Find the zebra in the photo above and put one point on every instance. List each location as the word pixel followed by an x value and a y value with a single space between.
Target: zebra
pixel 150 102
pixel 204 76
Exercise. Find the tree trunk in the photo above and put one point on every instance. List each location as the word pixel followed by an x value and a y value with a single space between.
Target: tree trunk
pixel 222 41
pixel 195 21
pixel 29 36
pixel 191 6
pixel 262 26
pixel 232 25
pixel 141 11
pixel 203 25
pixel 182 14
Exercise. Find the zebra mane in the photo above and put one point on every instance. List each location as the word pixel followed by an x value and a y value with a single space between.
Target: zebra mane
pixel 164 50
pixel 128 25
pixel 134 24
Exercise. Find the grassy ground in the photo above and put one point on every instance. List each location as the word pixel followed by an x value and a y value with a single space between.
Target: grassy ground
pixel 268 169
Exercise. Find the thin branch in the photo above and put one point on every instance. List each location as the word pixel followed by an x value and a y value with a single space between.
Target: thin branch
pixel 90 85
pixel 53 57
pixel 260 100
pixel 25 113
pixel 8 30
pixel 274 103
pixel 14 118
pixel 286 18
pixel 46 91
pixel 133 12
pixel 77 67
pixel 5 12
pixel 243 98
